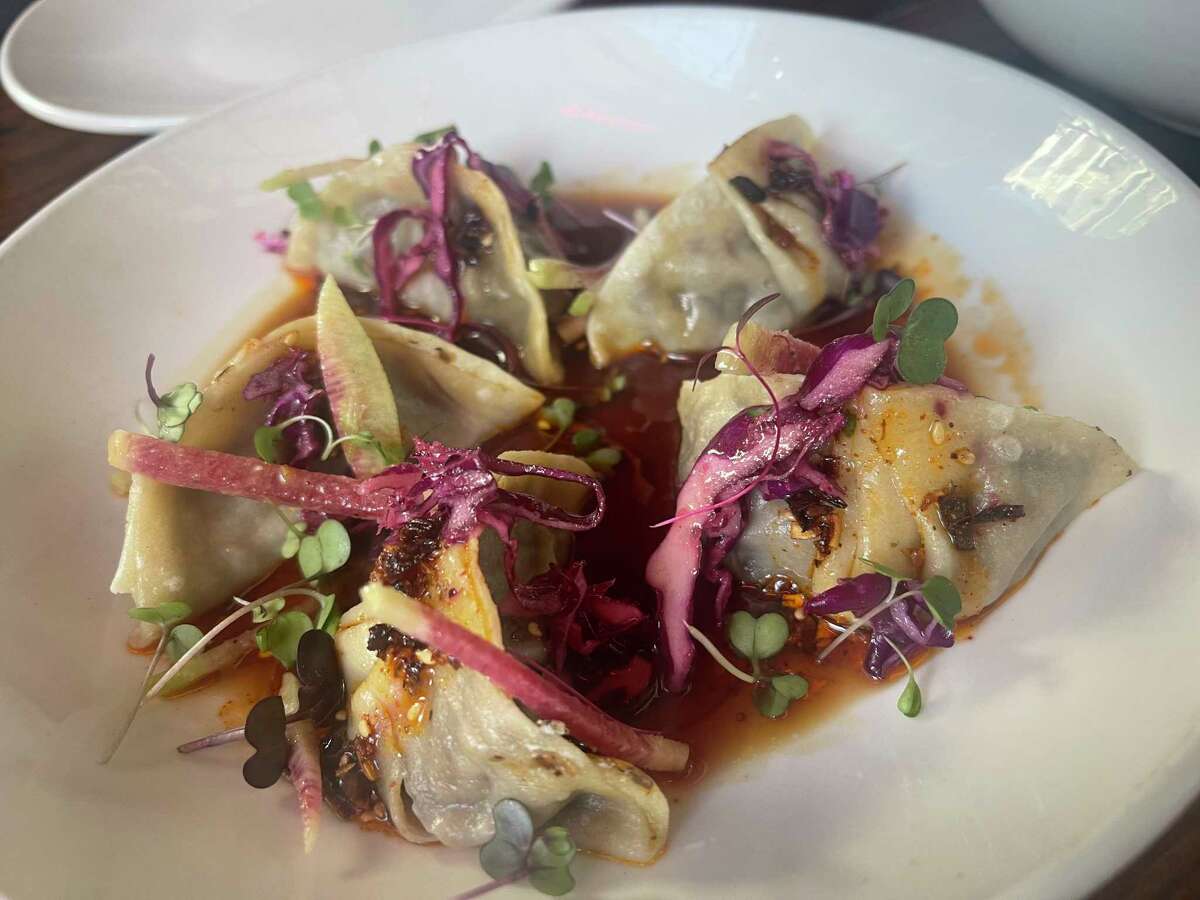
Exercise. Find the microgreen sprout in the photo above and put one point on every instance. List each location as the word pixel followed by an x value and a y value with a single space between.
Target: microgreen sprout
pixel 558 415
pixel 268 440
pixel 282 631
pixel 892 306
pixel 165 616
pixel 308 204
pixel 374 147
pixel 921 354
pixel 173 408
pixel 604 460
pixel 615 385
pixel 542 181
pixel 757 639
pixel 517 851
pixel 343 217
pixel 910 698
pixel 432 137
pixel 585 440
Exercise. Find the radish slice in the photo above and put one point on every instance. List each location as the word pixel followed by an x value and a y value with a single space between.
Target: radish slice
pixel 543 698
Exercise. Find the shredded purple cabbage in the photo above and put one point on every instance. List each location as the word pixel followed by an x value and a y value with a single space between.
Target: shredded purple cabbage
pixel 851 219
pixel 459 487
pixel 753 449
pixel 581 616
pixel 292 385
pixel 908 623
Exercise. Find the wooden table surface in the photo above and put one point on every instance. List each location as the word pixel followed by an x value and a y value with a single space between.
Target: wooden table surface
pixel 39 161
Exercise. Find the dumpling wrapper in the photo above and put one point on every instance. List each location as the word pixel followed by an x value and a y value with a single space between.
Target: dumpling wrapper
pixel 710 254
pixel 496 291
pixel 892 471
pixel 202 548
pixel 470 745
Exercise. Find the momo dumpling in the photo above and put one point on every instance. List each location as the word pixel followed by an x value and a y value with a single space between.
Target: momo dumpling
pixel 468 745
pixel 202 548
pixel 712 252
pixel 911 447
pixel 491 263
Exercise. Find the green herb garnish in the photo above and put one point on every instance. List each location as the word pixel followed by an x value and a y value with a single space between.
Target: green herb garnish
pixel 604 460
pixel 269 440
pixel 909 703
pixel 921 354
pixel 892 306
pixel 516 851
pixel 374 147
pixel 432 137
pixel 165 615
pixel 614 386
pixel 324 552
pixel 281 636
pixel 307 202
pixel 757 640
pixel 542 181
pixel 921 357
pixel 586 439
pixel 851 425
pixel 172 409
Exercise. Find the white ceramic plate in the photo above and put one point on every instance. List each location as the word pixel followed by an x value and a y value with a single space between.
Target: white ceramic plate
pixel 1053 747
pixel 139 66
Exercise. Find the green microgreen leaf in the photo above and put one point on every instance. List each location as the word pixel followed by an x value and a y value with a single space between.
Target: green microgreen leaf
pixel 892 306
pixel 432 137
pixel 164 614
pixel 553 849
pixel 328 613
pixel 552 882
pixel 582 304
pixel 943 600
pixel 503 857
pixel 335 545
pixel 921 357
pixel 268 610
pixel 910 699
pixel 794 687
pixel 174 408
pixel 542 181
pixel 561 412
pixel 308 557
pixel 586 439
pixel 182 639
pixel 770 635
pixel 769 702
pixel 291 544
pixel 604 460
pixel 374 147
pixel 342 217
pixel 281 636
pixel 882 569
pixel 757 639
pixel 307 202
pixel 741 633
pixel 268 443
pixel 909 703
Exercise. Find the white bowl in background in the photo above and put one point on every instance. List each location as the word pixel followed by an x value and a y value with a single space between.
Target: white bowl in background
pixel 1146 53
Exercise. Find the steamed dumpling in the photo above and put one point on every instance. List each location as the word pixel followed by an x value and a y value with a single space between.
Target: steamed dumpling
pixel 912 445
pixel 493 280
pixel 711 253
pixel 202 548
pixel 452 746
